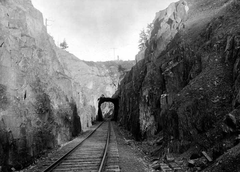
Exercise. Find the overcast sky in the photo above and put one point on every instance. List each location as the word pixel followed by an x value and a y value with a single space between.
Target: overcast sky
pixel 95 29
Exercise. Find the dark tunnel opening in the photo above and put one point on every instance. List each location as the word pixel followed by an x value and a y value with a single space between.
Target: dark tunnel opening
pixel 115 102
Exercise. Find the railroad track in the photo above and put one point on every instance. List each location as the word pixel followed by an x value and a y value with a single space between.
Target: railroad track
pixel 96 153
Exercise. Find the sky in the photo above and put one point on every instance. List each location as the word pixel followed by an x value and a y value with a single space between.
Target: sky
pixel 99 30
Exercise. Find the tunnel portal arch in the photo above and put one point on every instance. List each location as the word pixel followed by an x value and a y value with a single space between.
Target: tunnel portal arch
pixel 115 102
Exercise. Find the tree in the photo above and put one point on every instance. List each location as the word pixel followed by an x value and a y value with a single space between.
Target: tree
pixel 142 40
pixel 144 36
pixel 149 28
pixel 64 44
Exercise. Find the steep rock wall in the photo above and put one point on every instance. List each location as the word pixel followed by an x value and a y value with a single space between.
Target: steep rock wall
pixel 47 95
pixel 146 79
pixel 187 80
pixel 38 105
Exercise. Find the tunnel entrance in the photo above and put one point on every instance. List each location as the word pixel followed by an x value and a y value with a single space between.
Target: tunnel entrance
pixel 107 99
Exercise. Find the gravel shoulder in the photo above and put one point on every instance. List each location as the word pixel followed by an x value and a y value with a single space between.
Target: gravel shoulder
pixel 130 157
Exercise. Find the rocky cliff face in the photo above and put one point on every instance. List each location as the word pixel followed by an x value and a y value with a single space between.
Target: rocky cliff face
pixel 47 96
pixel 92 79
pixel 146 81
pixel 186 80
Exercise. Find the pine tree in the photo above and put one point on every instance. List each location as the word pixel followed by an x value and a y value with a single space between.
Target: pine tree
pixel 64 44
pixel 144 36
pixel 142 40
pixel 149 28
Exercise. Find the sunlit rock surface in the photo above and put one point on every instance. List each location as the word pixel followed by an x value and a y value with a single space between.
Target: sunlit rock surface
pixel 47 96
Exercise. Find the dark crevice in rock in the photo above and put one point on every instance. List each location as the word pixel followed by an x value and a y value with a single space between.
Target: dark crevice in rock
pixel 76 124
pixel 25 95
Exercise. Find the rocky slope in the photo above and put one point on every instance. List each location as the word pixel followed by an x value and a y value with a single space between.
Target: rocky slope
pixel 185 87
pixel 47 96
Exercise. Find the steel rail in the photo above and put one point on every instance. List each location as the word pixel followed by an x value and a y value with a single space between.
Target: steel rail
pixel 58 161
pixel 104 158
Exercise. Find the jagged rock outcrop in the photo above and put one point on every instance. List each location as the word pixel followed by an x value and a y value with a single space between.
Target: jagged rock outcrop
pixel 47 96
pixel 187 80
